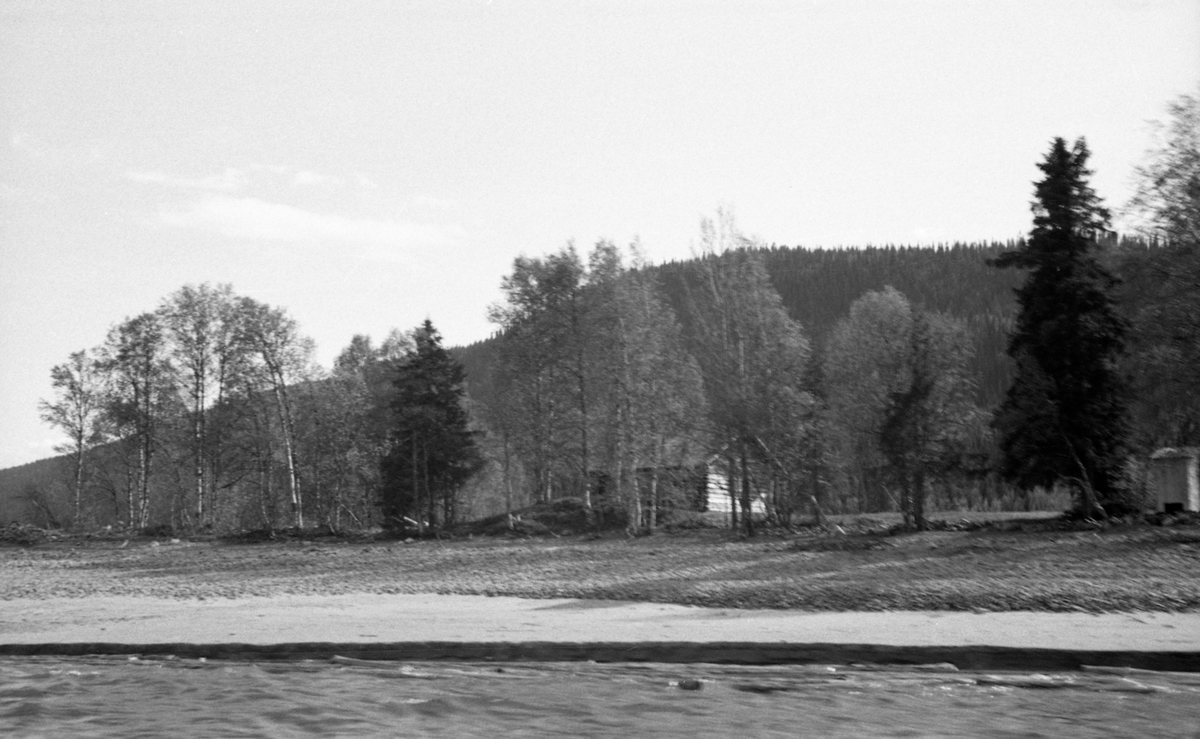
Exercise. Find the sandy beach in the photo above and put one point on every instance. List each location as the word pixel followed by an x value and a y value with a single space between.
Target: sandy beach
pixel 372 618
pixel 482 628
pixel 565 599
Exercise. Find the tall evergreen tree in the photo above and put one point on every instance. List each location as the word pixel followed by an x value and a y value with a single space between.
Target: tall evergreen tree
pixel 433 450
pixel 1063 419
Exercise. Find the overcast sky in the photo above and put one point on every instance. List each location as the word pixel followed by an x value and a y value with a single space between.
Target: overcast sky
pixel 367 165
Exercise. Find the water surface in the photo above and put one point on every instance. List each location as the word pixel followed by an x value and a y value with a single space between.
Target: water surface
pixel 123 697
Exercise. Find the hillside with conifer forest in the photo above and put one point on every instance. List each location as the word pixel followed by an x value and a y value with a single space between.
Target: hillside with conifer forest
pixel 817 287
pixel 768 383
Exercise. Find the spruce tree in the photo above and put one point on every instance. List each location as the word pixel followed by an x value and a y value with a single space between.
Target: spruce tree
pixel 1063 419
pixel 432 450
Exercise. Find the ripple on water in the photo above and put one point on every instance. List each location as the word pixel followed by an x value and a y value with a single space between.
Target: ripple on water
pixel 108 697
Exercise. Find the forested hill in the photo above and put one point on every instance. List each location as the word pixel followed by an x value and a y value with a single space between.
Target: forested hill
pixel 16 482
pixel 818 286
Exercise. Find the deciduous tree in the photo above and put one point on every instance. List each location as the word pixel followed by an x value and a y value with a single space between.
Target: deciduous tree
pixel 650 392
pixel 283 359
pixel 543 369
pixel 751 353
pixel 78 411
pixel 900 394
pixel 206 350
pixel 1167 195
pixel 141 398
pixel 1164 293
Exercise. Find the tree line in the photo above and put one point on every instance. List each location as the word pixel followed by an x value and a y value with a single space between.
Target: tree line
pixel 209 413
pixel 1059 360
pixel 792 381
pixel 604 392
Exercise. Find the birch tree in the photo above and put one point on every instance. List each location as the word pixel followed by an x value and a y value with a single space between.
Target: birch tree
pixel 751 353
pixel 900 394
pixel 141 394
pixel 78 411
pixel 283 357
pixel 652 392
pixel 348 419
pixel 1163 297
pixel 544 368
pixel 202 323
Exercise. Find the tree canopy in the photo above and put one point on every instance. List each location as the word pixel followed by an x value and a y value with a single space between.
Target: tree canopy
pixel 1163 296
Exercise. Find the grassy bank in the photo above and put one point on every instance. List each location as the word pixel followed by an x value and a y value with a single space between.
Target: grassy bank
pixel 1012 564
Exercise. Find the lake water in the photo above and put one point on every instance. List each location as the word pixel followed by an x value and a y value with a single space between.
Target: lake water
pixel 120 697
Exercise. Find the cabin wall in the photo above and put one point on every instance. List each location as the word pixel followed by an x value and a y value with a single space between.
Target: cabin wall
pixel 1176 481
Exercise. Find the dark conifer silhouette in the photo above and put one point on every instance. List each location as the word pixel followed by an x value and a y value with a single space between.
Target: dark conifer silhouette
pixel 432 450
pixel 1063 419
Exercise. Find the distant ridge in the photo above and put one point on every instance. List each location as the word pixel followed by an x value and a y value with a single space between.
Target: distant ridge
pixel 818 285
pixel 14 481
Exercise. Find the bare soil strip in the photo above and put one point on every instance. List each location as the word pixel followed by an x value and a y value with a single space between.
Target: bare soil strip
pixel 1129 568
pixel 1124 597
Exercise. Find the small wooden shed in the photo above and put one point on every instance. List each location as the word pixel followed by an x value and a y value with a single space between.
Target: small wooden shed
pixel 1175 477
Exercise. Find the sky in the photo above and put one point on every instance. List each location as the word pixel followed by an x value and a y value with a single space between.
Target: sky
pixel 367 165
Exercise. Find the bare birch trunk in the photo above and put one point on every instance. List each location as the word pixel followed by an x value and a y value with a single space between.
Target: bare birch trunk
pixel 289 446
pixel 747 508
pixel 416 488
pixel 654 473
pixel 79 452
pixel 198 438
pixel 731 489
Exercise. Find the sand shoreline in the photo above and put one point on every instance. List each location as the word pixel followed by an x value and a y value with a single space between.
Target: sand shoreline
pixel 1039 600
pixel 372 618
pixel 373 626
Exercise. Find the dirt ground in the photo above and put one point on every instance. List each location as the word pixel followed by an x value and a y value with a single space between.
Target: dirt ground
pixel 1012 566
pixel 366 621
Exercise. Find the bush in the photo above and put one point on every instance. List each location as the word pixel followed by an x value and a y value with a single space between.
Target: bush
pixel 158 531
pixel 25 534
pixel 682 520
pixel 1132 494
pixel 559 517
